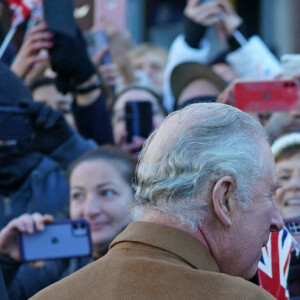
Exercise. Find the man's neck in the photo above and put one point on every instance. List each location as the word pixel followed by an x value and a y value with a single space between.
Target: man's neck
pixel 158 217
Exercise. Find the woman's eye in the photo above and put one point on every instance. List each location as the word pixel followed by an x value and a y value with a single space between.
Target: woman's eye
pixel 283 177
pixel 77 196
pixel 108 193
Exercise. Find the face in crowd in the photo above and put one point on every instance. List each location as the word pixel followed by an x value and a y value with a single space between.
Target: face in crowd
pixel 101 195
pixel 288 173
pixel 118 117
pixel 49 95
pixel 152 62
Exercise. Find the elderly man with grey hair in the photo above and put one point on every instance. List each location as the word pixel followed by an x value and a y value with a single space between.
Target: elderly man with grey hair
pixel 204 209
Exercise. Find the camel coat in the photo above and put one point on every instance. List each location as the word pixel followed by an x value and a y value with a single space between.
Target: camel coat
pixel 149 261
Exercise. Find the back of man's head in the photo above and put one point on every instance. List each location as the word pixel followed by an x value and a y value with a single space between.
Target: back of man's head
pixel 189 153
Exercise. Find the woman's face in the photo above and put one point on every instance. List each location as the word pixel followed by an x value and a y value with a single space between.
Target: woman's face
pixel 153 64
pixel 118 119
pixel 100 195
pixel 288 197
pixel 49 95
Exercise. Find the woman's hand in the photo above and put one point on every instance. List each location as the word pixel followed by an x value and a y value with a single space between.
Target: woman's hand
pixel 109 71
pixel 26 223
pixel 134 147
pixel 206 14
pixel 30 52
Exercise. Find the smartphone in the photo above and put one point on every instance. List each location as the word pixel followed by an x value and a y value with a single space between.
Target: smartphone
pixel 266 96
pixel 138 115
pixel 115 11
pixel 97 40
pixel 15 124
pixel 290 64
pixel 58 14
pixel 293 226
pixel 60 239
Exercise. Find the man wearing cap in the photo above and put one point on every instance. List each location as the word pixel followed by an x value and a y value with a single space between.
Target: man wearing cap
pixel 204 209
pixel 192 82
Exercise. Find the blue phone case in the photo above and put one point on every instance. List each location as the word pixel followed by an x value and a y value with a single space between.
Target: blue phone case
pixel 61 239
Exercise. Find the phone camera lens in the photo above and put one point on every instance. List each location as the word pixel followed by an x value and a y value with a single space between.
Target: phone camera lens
pixel 75 225
pixel 82 225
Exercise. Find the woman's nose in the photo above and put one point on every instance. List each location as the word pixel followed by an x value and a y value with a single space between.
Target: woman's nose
pixel 92 206
pixel 294 182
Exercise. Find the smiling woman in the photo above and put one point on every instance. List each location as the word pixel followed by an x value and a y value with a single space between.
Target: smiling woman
pixel 100 191
pixel 100 184
pixel 286 150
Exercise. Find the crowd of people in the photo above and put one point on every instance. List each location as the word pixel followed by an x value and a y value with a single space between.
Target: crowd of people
pixel 181 214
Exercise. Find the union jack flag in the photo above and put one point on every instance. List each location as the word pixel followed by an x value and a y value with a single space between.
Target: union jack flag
pixel 274 264
pixel 21 9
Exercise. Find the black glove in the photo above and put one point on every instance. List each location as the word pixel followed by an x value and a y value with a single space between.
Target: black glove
pixel 70 60
pixel 193 32
pixel 50 128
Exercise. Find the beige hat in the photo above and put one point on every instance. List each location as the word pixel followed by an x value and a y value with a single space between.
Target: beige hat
pixel 186 72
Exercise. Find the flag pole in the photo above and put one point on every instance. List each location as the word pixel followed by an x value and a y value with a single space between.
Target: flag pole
pixel 7 40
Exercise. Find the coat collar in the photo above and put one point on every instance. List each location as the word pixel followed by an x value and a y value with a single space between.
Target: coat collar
pixel 169 239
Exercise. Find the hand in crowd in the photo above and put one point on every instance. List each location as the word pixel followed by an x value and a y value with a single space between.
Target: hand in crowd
pixel 219 12
pixel 119 45
pixel 109 72
pixel 70 60
pixel 133 147
pixel 30 53
pixel 227 96
pixel 26 223
pixel 207 13
pixel 230 19
pixel 50 128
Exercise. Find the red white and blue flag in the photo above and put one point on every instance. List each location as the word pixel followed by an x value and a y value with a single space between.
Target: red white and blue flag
pixel 21 9
pixel 274 264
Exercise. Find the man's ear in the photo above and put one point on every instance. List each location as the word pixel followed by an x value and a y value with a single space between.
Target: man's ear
pixel 222 197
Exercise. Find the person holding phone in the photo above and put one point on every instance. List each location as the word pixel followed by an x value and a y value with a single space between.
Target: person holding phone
pixel 100 191
pixel 194 44
pixel 32 170
pixel 131 94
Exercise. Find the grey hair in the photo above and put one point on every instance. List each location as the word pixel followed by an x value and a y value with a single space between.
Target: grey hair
pixel 211 140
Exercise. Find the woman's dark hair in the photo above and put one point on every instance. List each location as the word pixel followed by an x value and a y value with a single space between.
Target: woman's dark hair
pixel 151 92
pixel 125 162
